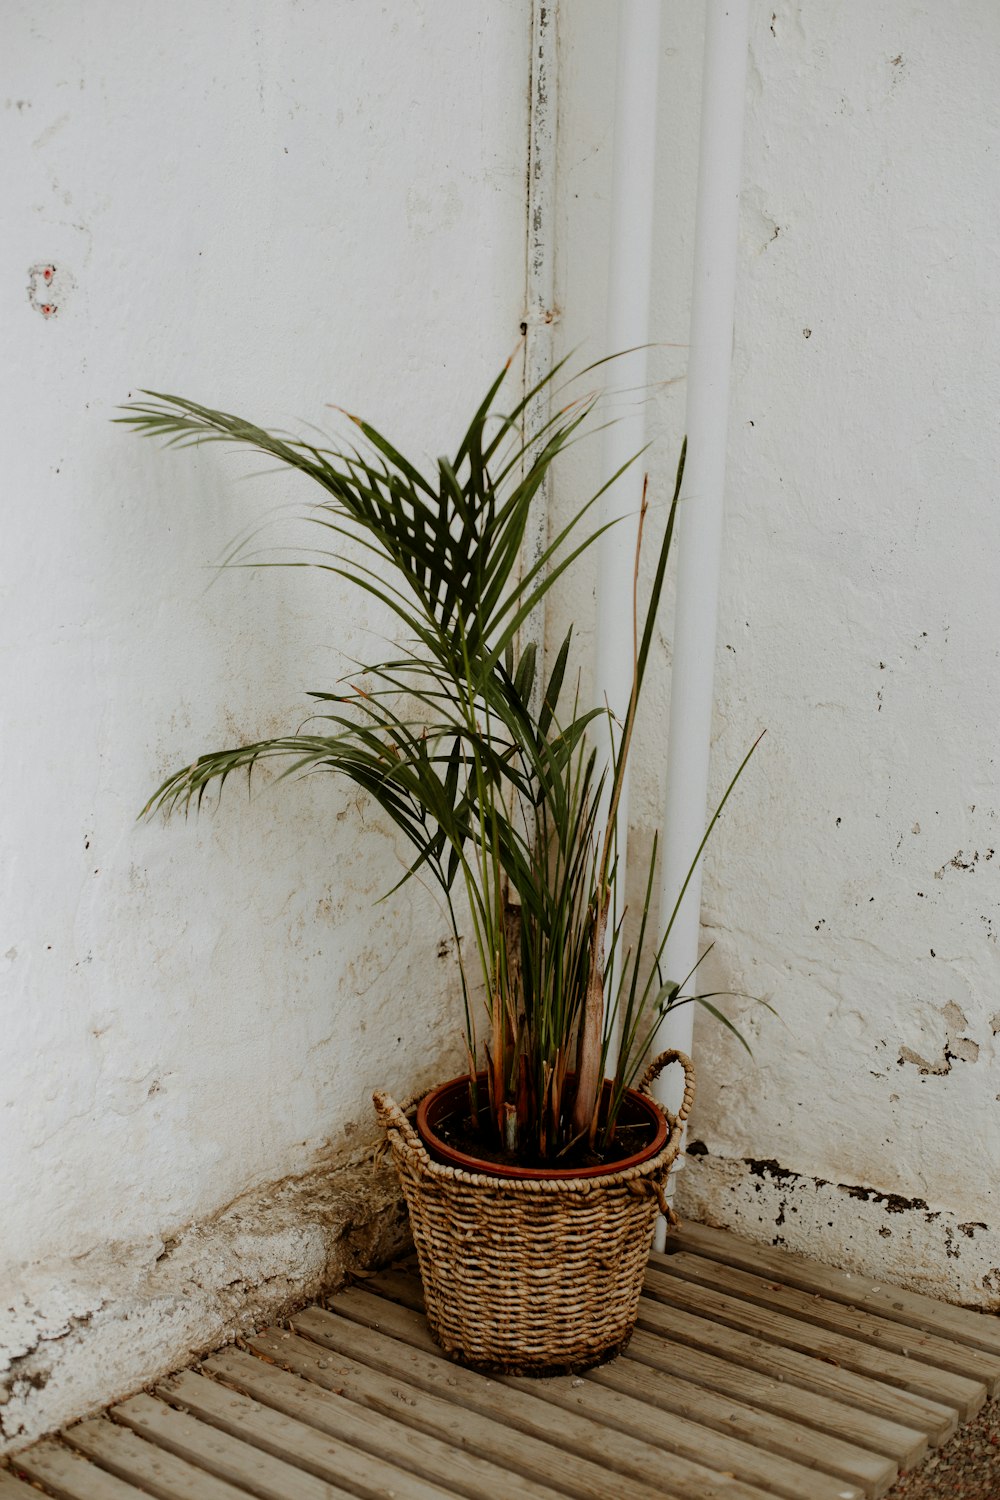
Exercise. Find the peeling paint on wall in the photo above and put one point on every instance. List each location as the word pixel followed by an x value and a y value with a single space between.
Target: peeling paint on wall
pixel 946 1045
pixel 78 1334
pixel 845 1224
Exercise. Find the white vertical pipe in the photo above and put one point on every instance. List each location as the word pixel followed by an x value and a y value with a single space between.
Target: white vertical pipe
pixel 700 521
pixel 629 279
pixel 539 313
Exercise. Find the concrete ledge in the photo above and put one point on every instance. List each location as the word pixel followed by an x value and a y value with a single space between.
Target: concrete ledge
pixel 78 1334
pixel 879 1234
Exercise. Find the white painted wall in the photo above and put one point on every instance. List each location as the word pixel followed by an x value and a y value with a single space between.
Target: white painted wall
pixel 855 883
pixel 275 205
pixel 268 205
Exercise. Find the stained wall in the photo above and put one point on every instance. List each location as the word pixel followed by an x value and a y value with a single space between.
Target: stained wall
pixel 267 206
pixel 855 880
pixel 282 205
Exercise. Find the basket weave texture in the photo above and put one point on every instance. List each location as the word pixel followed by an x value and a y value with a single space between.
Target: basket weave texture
pixel 532 1276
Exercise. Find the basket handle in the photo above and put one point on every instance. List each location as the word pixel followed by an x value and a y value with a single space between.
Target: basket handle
pixel 391 1117
pixel 656 1068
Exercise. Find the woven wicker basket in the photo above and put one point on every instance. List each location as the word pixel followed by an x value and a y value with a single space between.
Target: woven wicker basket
pixel 532 1276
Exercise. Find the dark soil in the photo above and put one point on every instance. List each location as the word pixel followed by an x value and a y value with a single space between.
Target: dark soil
pixel 458 1131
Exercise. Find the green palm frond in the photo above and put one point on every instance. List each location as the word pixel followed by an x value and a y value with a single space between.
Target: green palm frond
pixel 497 799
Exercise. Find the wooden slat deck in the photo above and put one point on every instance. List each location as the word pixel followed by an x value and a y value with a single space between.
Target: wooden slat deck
pixel 753 1374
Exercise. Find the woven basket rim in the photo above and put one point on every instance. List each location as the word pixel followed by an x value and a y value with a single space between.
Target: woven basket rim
pixel 410 1147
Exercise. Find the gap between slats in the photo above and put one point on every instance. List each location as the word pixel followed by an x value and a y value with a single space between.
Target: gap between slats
pixel 980 1330
pixel 753 1374
pixel 838 1317
pixel 618 1453
pixel 724 1442
pixel 731 1413
pixel 909 1373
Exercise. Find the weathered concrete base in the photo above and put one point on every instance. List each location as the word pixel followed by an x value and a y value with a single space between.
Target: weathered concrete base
pixel 907 1241
pixel 79 1334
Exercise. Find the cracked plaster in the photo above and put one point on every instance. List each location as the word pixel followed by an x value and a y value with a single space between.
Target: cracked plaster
pixel 78 1333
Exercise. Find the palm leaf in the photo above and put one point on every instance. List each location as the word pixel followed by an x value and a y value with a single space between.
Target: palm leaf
pixel 497 796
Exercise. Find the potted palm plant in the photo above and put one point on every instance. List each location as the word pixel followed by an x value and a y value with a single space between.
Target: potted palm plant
pixel 533 1182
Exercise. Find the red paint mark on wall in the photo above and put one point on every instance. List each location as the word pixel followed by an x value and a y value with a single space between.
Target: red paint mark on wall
pixel 40 280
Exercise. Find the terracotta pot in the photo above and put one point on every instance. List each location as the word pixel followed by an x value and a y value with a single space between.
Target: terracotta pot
pixel 452 1099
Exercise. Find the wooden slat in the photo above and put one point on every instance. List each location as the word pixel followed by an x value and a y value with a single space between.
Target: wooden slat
pixel 803 1372
pixel 966 1396
pixel 980 1330
pixel 623 1416
pixel 160 1473
pixel 904 1445
pixel 448 1464
pixel 12 1488
pixel 929 1348
pixel 399 1285
pixel 452 1421
pixel 220 1454
pixel 522 1413
pixel 70 1476
pixel 690 1437
pixel 294 1442
pixel 404 1288
pixel 752 1375
pixel 771 1434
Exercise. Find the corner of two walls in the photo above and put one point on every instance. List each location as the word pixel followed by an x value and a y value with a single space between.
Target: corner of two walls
pixel 168 994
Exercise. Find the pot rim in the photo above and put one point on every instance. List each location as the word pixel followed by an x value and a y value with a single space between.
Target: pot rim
pixel 447 1155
